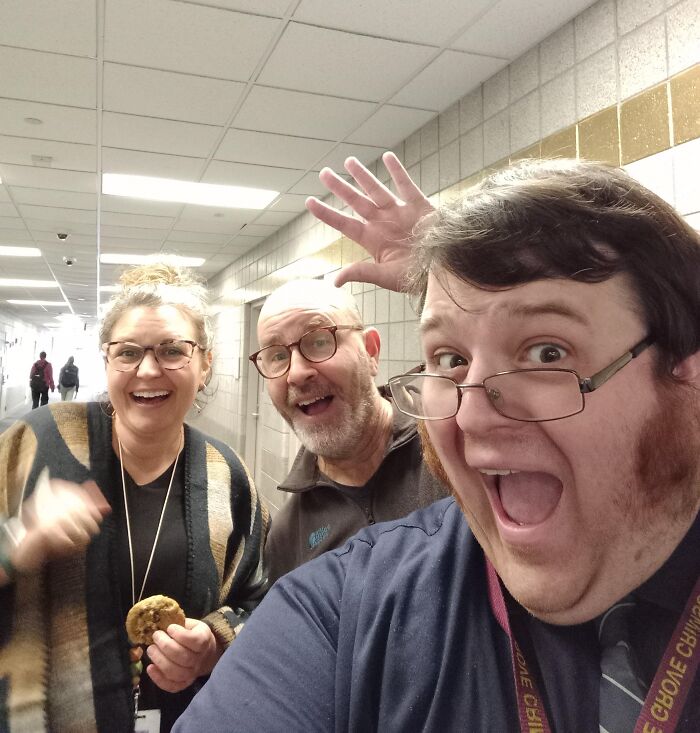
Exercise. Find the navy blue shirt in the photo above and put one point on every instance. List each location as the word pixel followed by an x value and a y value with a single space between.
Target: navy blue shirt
pixel 394 632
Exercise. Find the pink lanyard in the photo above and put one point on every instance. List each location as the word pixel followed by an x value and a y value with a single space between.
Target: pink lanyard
pixel 668 691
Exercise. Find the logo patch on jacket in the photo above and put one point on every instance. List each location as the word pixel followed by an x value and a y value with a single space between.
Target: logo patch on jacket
pixel 318 535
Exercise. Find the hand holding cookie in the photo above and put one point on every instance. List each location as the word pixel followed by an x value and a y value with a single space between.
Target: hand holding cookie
pixel 151 614
pixel 181 655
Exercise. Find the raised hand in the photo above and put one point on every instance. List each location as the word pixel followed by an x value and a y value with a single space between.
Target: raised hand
pixel 180 655
pixel 59 519
pixel 387 221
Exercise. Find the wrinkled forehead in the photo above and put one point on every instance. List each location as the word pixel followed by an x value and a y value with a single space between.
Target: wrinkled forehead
pixel 288 324
pixel 308 301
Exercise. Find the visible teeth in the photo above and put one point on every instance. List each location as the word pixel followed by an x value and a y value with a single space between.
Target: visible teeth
pixel 310 402
pixel 154 393
pixel 496 471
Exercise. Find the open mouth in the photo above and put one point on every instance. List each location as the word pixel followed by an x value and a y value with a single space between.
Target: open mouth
pixel 315 406
pixel 150 397
pixel 526 498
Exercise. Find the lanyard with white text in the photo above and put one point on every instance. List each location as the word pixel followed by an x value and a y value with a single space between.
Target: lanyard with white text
pixel 669 689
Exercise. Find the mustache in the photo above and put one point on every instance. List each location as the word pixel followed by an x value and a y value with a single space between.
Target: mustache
pixel 314 392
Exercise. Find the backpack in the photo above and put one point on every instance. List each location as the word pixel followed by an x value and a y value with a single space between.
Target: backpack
pixel 69 378
pixel 37 381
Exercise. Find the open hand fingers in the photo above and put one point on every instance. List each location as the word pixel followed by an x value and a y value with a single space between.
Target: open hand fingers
pixel 349 226
pixel 369 183
pixel 346 192
pixel 405 187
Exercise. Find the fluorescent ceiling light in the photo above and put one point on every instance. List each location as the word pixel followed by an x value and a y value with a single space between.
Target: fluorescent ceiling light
pixel 19 252
pixel 132 259
pixel 186 192
pixel 8 282
pixel 109 288
pixel 37 302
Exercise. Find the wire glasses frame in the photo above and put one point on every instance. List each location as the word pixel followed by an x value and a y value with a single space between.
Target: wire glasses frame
pixel 125 356
pixel 317 345
pixel 528 395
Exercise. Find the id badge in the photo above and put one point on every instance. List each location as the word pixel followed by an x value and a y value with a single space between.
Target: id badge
pixel 147 721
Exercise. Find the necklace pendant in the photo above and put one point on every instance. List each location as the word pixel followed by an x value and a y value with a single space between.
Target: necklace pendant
pixel 137 693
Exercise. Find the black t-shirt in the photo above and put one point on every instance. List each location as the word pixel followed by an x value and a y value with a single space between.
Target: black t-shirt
pixel 167 575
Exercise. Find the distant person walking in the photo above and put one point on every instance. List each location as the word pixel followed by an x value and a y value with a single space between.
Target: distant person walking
pixel 68 382
pixel 40 379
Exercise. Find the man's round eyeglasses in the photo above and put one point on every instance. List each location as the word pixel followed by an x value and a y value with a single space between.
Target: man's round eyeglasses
pixel 530 395
pixel 316 345
pixel 125 356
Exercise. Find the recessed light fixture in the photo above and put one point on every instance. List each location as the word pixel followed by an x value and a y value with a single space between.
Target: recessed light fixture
pixel 132 259
pixel 37 302
pixel 186 192
pixel 9 282
pixel 19 252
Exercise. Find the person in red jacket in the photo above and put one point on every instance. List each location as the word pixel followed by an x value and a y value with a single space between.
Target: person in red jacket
pixel 40 379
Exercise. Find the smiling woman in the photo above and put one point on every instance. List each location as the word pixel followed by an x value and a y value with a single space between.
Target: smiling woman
pixel 109 503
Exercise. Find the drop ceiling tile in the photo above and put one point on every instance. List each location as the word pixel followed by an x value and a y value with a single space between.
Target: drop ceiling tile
pixel 158 136
pixel 4 196
pixel 289 202
pixel 48 77
pixel 189 38
pixel 169 95
pixel 211 226
pixel 8 210
pixel 276 218
pixel 108 230
pixel 421 22
pixel 111 243
pixel 68 124
pixel 15 234
pixel 139 163
pixel 294 64
pixel 126 205
pixel 257 176
pixel 57 215
pixel 301 114
pixel 309 185
pixel 258 230
pixel 195 236
pixel 364 153
pixel 48 240
pixel 53 197
pixel 136 220
pixel 529 22
pixel 31 177
pixel 199 249
pixel 264 148
pixel 66 156
pixel 448 78
pixel 389 125
pixel 46 229
pixel 274 8
pixel 68 28
pixel 197 214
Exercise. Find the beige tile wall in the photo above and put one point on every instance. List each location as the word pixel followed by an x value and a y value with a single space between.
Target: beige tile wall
pixel 620 83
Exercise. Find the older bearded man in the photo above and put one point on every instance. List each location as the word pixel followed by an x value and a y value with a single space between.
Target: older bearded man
pixel 360 460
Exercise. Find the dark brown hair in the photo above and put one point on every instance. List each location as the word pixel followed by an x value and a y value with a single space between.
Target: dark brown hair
pixel 572 219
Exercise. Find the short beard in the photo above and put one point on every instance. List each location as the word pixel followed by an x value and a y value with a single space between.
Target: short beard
pixel 430 456
pixel 667 470
pixel 341 440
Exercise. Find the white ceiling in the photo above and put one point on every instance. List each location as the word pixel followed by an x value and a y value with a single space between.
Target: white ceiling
pixel 249 92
